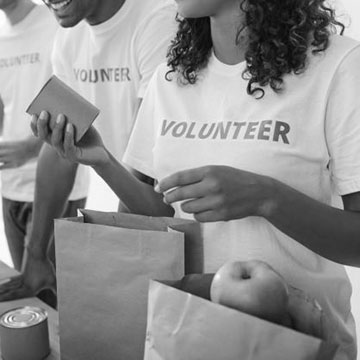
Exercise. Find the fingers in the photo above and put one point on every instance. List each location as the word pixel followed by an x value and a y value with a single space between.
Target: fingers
pixel 180 178
pixel 57 137
pixel 181 193
pixel 62 138
pixel 10 283
pixel 69 142
pixel 209 216
pixel 13 288
pixel 199 205
pixel 17 293
pixel 42 125
pixel 33 124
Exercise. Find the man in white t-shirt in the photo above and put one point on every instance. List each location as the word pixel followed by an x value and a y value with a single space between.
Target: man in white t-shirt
pixel 109 59
pixel 25 50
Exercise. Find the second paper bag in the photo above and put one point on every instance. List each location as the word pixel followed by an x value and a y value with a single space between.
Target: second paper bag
pixel 103 273
pixel 182 326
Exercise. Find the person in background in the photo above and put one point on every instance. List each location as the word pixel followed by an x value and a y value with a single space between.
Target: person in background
pixel 106 50
pixel 250 128
pixel 27 34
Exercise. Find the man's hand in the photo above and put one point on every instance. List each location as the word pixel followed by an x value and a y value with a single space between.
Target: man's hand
pixel 219 193
pixel 37 274
pixel 16 153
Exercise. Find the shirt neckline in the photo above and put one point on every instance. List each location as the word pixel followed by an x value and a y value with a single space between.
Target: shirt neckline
pixel 215 65
pixel 109 24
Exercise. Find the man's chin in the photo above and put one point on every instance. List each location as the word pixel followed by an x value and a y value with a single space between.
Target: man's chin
pixel 67 22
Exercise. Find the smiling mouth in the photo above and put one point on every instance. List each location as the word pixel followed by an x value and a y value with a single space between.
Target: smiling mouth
pixel 58 5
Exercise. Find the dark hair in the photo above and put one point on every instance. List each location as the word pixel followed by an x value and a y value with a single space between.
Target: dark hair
pixel 279 32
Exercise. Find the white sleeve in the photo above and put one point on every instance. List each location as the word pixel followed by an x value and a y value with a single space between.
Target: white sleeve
pixel 139 151
pixel 152 42
pixel 342 124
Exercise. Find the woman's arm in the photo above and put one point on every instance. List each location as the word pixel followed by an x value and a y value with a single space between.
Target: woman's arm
pixel 138 196
pixel 333 233
pixel 220 193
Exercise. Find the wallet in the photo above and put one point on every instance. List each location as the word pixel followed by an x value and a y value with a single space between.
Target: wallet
pixel 58 98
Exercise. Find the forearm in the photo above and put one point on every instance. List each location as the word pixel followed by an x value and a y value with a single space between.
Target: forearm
pixel 54 181
pixel 332 233
pixel 139 197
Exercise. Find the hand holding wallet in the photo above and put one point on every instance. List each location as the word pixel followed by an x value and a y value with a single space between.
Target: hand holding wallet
pixel 56 98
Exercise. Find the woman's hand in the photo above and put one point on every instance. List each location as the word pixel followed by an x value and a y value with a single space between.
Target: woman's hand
pixel 219 193
pixel 90 150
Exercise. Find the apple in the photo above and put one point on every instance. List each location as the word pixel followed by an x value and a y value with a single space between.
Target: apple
pixel 253 287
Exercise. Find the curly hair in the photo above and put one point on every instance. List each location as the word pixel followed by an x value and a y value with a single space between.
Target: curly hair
pixel 279 36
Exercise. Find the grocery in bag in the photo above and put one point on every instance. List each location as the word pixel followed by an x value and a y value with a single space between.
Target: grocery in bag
pixel 183 326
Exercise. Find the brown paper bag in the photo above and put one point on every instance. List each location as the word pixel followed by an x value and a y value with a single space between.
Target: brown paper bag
pixel 104 263
pixel 182 326
pixel 194 247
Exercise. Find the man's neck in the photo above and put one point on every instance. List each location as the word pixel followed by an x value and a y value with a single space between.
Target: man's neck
pixel 17 11
pixel 105 11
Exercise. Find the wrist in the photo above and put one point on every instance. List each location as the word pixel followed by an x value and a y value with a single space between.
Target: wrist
pixel 103 162
pixel 36 252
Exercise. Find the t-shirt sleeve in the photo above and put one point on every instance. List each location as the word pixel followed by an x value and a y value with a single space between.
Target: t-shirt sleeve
pixel 139 151
pixel 342 124
pixel 152 42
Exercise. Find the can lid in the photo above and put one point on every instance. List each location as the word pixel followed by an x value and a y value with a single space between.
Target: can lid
pixel 23 317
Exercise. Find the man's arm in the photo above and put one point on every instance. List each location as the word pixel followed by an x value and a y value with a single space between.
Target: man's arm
pixel 54 181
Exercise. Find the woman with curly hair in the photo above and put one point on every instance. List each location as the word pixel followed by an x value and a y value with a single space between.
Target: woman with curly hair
pixel 250 128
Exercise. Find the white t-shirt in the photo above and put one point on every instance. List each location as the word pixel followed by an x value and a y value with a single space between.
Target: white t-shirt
pixel 25 50
pixel 111 64
pixel 308 137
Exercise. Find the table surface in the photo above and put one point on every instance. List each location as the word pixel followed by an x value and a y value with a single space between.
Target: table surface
pixel 53 320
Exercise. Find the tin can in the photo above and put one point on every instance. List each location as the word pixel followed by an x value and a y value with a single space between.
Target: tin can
pixel 24 334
